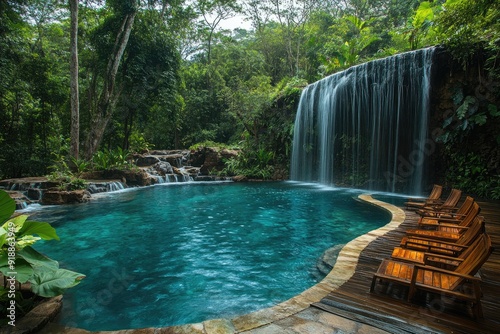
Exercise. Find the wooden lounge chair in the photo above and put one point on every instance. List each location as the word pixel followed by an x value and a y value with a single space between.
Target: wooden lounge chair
pixel 447 206
pixel 459 283
pixel 431 259
pixel 443 247
pixel 448 217
pixel 447 231
pixel 433 198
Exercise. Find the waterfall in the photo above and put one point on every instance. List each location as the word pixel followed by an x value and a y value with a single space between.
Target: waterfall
pixel 174 178
pixel 114 186
pixel 366 127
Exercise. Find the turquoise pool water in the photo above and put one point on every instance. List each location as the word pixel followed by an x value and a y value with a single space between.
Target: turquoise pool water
pixel 185 253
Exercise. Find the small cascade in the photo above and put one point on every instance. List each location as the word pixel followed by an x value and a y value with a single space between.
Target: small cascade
pixel 105 186
pixel 24 186
pixel 366 127
pixel 21 205
pixel 174 178
pixel 114 186
pixel 160 179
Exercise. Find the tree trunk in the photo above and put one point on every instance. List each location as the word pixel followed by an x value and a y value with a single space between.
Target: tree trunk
pixel 75 100
pixel 109 96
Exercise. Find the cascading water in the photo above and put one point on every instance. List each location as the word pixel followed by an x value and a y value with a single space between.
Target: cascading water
pixel 366 127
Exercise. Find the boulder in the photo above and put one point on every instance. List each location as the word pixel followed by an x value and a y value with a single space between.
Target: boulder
pixel 147 160
pixel 240 178
pixel 176 160
pixel 163 168
pixel 55 197
pixel 211 159
pixel 137 178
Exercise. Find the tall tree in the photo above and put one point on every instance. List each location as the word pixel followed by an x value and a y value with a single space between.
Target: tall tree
pixel 292 17
pixel 75 111
pixel 213 12
pixel 126 11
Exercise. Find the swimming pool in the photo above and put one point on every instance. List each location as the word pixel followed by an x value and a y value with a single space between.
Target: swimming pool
pixel 175 254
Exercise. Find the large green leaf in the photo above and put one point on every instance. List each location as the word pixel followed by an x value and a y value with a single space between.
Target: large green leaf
pixel 22 269
pixel 43 230
pixel 7 206
pixel 38 261
pixel 3 236
pixel 18 222
pixel 424 13
pixel 54 283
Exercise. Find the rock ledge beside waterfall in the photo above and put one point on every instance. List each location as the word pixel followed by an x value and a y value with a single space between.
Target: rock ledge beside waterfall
pixel 153 167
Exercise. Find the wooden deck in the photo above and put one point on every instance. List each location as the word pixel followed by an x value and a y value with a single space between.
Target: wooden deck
pixel 387 307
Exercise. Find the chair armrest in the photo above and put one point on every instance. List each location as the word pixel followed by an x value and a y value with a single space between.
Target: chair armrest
pixel 444 271
pixel 413 240
pixel 434 201
pixel 434 240
pixel 448 220
pixel 453 214
pixel 433 249
pixel 453 226
pixel 428 257
pixel 437 213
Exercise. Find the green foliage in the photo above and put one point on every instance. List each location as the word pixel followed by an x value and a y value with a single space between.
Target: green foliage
pixel 469 172
pixel 470 140
pixel 209 143
pixel 468 26
pixel 421 23
pixel 7 207
pixel 138 144
pixel 289 89
pixel 469 114
pixel 17 236
pixel 351 47
pixel 254 164
pixel 111 159
pixel 65 170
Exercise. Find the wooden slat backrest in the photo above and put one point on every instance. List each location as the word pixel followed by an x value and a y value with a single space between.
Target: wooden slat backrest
pixel 472 249
pixel 452 229
pixel 448 232
pixel 419 256
pixel 433 218
pixel 466 206
pixel 436 192
pixel 479 254
pixel 476 227
pixel 469 266
pixel 436 246
pixel 474 211
pixel 452 199
pixel 466 222
pixel 434 198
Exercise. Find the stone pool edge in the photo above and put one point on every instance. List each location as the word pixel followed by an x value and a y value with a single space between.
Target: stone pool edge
pixel 343 270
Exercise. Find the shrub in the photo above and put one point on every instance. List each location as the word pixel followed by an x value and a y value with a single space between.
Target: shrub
pixel 17 236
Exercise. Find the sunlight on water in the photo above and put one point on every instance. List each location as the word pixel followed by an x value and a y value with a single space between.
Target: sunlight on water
pixel 175 254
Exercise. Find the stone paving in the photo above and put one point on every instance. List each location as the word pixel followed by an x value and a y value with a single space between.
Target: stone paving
pixel 292 316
